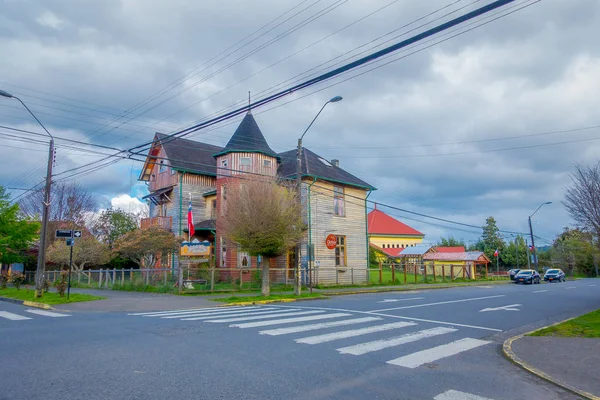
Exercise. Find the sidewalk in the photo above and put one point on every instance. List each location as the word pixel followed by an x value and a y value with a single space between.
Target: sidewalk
pixel 570 362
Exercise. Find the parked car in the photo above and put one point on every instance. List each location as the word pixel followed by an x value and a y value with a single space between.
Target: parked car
pixel 554 275
pixel 528 276
pixel 512 273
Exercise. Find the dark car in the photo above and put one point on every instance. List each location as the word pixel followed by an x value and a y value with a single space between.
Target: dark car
pixel 512 273
pixel 527 276
pixel 554 275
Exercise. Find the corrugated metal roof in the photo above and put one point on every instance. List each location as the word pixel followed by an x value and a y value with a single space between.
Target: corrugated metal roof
pixel 450 249
pixel 453 256
pixel 417 250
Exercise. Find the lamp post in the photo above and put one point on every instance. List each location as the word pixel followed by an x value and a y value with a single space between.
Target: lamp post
pixel 41 261
pixel 297 283
pixel 535 258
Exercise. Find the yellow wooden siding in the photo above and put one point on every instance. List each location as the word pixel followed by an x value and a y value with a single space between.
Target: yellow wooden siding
pixel 395 241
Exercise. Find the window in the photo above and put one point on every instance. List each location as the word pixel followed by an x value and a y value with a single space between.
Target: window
pixel 223 253
pixel 245 163
pixel 223 200
pixel 173 171
pixel 340 251
pixel 244 259
pixel 223 170
pixel 163 167
pixel 338 201
pixel 267 163
pixel 213 210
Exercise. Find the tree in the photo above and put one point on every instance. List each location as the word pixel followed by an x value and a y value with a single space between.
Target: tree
pixel 17 233
pixel 574 250
pixel 450 241
pixel 582 199
pixel 70 202
pixel 145 246
pixel 113 224
pixel 87 251
pixel 514 250
pixel 491 239
pixel 264 218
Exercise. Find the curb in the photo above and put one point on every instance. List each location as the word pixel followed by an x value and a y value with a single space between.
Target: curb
pixel 385 290
pixel 510 354
pixel 26 303
pixel 250 303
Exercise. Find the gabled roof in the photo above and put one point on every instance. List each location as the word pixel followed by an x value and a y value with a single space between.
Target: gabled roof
pixel 383 224
pixel 418 250
pixel 454 256
pixel 389 252
pixel 183 155
pixel 450 249
pixel 247 138
pixel 316 166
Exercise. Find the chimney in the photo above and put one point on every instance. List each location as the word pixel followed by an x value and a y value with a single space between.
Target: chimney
pixel 335 163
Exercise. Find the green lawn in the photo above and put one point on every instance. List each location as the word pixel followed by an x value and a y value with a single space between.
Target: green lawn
pixel 586 326
pixel 47 298
pixel 241 299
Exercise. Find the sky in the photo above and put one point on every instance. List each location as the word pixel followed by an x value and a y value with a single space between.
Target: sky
pixel 486 120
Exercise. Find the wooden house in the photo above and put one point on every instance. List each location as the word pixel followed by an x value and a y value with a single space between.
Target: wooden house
pixel 334 202
pixel 391 235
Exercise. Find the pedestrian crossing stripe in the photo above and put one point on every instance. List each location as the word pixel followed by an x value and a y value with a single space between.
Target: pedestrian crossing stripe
pixel 328 337
pixel 192 310
pixel 231 314
pixel 17 317
pixel 288 320
pixel 47 313
pixel 322 325
pixel 456 395
pixel 12 316
pixel 419 358
pixel 199 311
pixel 368 347
pixel 283 314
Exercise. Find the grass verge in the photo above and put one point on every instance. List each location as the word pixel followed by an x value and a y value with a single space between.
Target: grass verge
pixel 48 297
pixel 585 326
pixel 243 299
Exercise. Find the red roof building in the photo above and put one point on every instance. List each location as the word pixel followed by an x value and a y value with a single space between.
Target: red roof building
pixel 450 249
pixel 386 232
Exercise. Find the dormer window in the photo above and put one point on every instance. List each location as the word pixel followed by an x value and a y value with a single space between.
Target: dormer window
pixel 163 167
pixel 267 163
pixel 245 163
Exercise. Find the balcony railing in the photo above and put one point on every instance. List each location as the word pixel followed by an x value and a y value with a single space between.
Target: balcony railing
pixel 162 222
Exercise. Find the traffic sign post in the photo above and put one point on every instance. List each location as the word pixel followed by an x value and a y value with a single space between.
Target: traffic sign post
pixel 72 243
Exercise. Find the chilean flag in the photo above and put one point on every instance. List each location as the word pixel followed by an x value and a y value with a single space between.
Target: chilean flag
pixel 496 253
pixel 190 221
pixel 531 249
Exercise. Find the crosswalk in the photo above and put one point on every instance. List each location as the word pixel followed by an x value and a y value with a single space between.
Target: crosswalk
pixel 357 333
pixel 11 316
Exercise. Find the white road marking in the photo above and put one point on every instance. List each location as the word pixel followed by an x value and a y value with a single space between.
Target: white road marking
pixel 368 347
pixel 250 318
pixel 351 333
pixel 440 303
pixel 571 287
pixel 288 320
pixel 456 395
pixel 322 325
pixel 395 300
pixel 11 316
pixel 503 308
pixel 419 358
pixel 539 291
pixel 230 314
pixel 47 313
pixel 205 311
pixel 436 322
pixel 396 316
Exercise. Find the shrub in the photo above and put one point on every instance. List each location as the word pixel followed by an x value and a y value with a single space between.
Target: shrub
pixel 17 278
pixel 3 280
pixel 61 283
pixel 46 285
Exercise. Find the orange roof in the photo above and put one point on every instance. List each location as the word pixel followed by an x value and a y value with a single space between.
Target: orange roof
pixel 382 224
pixel 390 252
pixel 451 249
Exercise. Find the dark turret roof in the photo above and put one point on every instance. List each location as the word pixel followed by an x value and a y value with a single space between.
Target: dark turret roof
pixel 248 138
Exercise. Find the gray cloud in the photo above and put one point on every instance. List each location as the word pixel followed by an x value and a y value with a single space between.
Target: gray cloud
pixel 532 72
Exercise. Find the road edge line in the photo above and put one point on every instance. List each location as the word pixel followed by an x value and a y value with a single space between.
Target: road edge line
pixel 511 356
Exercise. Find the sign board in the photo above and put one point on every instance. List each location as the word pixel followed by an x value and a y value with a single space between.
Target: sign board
pixel 67 233
pixel 331 241
pixel 195 248
pixel 70 242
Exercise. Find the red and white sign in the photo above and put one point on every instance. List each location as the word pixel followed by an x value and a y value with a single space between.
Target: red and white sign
pixel 331 242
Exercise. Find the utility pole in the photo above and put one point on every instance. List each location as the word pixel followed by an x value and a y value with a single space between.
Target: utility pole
pixel 297 278
pixel 535 257
pixel 41 261
pixel 528 258
pixel 517 247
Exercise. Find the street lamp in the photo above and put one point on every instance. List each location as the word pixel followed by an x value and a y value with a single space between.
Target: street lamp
pixel 299 185
pixel 41 261
pixel 535 258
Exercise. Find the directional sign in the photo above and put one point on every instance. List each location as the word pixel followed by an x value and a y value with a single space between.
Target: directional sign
pixel 70 242
pixel 63 233
pixel 503 308
pixel 76 234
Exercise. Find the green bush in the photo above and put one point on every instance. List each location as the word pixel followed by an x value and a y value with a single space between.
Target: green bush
pixel 17 278
pixel 61 283
pixel 3 280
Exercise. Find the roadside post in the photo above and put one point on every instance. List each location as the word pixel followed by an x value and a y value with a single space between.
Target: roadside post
pixel 70 235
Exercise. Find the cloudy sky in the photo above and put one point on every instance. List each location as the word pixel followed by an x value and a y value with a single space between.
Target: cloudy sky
pixel 489 122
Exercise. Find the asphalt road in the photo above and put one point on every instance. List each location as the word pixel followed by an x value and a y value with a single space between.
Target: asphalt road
pixel 434 344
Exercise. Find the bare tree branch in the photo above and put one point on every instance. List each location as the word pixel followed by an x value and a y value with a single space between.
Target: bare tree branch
pixel 582 199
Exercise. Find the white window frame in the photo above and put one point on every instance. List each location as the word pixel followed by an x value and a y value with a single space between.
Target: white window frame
pixel 339 201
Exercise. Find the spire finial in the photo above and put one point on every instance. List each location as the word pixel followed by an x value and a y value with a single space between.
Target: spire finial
pixel 248 99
